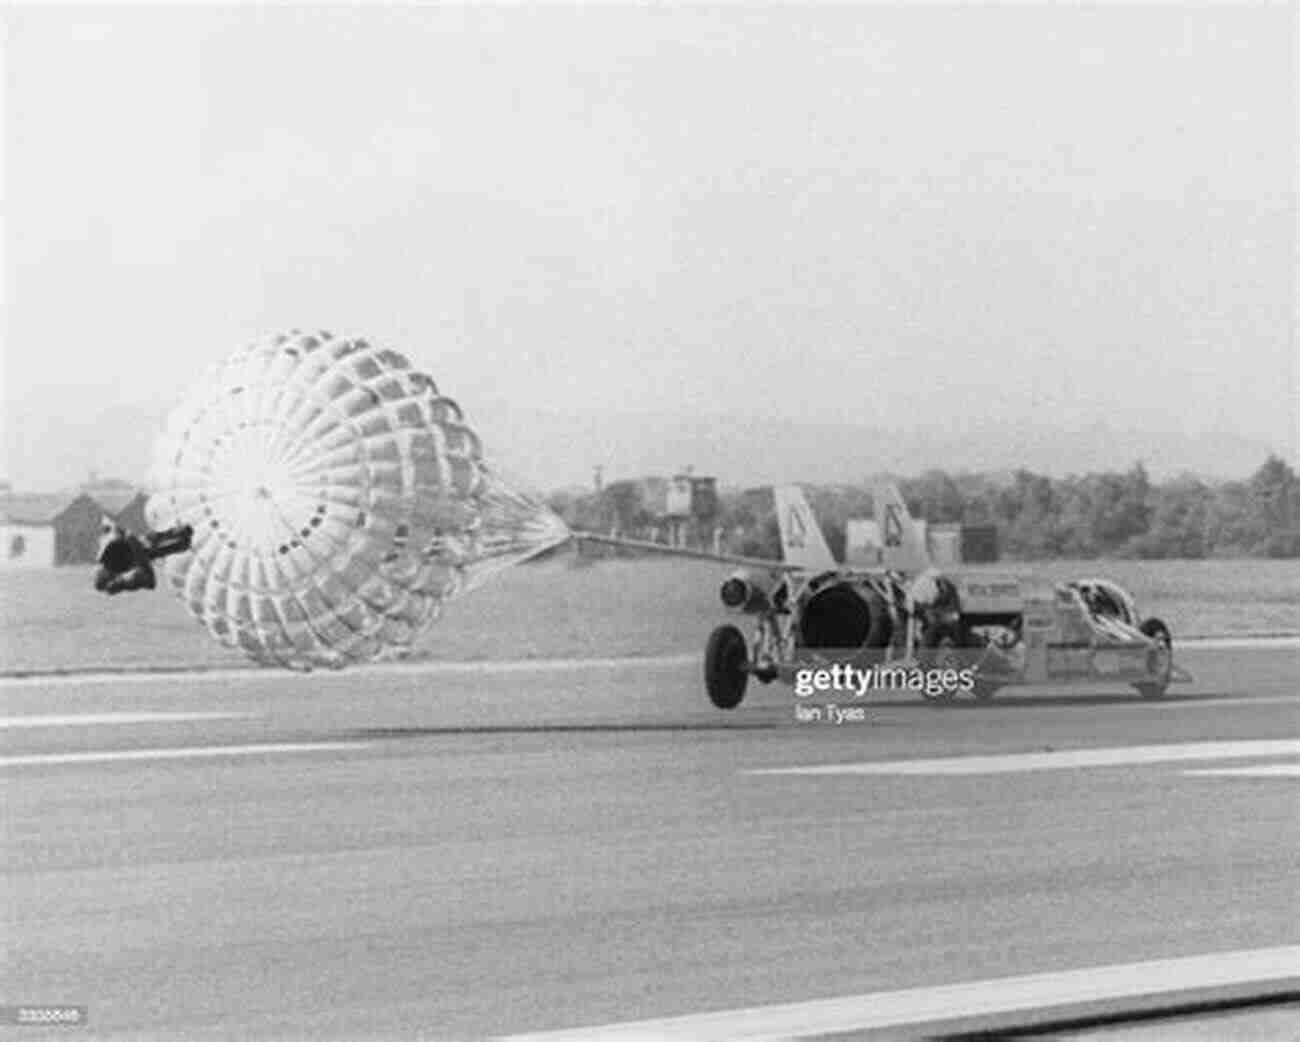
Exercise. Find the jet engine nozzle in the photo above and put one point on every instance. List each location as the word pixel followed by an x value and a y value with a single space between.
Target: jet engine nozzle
pixel 845 616
pixel 745 592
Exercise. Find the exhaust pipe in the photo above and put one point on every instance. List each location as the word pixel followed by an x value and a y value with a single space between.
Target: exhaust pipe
pixel 746 592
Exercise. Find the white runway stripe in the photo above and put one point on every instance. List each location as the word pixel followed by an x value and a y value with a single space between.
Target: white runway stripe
pixel 1262 770
pixel 190 753
pixel 1178 702
pixel 1066 759
pixel 1236 643
pixel 97 719
pixel 1173 979
pixel 258 675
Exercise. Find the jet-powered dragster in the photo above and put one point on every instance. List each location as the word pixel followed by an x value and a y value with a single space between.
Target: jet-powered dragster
pixel 808 612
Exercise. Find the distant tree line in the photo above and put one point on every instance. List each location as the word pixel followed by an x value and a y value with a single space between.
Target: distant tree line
pixel 1109 514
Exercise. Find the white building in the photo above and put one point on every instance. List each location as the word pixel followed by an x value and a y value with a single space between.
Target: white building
pixel 28 531
pixel 862 543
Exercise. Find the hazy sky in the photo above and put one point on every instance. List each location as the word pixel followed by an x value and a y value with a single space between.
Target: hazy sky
pixel 975 216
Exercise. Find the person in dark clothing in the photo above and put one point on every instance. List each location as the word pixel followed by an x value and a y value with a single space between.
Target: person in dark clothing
pixel 125 560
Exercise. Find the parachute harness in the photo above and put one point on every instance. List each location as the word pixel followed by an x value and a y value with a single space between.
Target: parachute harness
pixel 338 501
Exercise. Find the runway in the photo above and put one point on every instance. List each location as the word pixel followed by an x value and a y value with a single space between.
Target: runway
pixel 484 852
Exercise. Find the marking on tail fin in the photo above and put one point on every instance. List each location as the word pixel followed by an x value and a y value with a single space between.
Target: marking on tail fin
pixel 903 547
pixel 893 526
pixel 802 542
pixel 795 530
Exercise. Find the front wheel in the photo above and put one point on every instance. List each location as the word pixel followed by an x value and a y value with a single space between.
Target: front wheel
pixel 1160 659
pixel 725 672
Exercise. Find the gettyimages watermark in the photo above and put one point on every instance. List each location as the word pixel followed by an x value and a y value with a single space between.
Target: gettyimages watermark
pixel 842 680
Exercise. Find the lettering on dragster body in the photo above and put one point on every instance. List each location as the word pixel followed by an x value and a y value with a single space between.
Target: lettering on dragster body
pixel 859 682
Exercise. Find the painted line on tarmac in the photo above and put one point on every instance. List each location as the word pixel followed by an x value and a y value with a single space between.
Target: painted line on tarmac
pixel 1193 702
pixel 1236 643
pixel 1261 770
pixel 1065 759
pixel 99 719
pixel 189 753
pixel 1033 997
pixel 257 674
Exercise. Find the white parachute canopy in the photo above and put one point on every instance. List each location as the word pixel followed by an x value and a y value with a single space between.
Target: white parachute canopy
pixel 337 501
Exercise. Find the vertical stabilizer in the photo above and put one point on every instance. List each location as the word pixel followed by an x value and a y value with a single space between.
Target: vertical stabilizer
pixel 802 542
pixel 902 544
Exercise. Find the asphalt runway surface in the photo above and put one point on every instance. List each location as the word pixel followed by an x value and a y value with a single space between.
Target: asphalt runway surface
pixel 470 853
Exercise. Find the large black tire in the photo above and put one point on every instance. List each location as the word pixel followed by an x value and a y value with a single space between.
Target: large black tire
pixel 1161 661
pixel 725 661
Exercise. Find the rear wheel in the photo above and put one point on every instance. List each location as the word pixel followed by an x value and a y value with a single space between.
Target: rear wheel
pixel 1160 659
pixel 725 661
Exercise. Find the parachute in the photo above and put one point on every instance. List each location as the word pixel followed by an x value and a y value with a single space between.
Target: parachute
pixel 337 501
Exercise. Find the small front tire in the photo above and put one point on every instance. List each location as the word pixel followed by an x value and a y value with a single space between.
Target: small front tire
pixel 726 667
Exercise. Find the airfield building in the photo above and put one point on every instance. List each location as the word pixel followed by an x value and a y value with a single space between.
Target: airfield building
pixel 40 530
pixel 949 544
